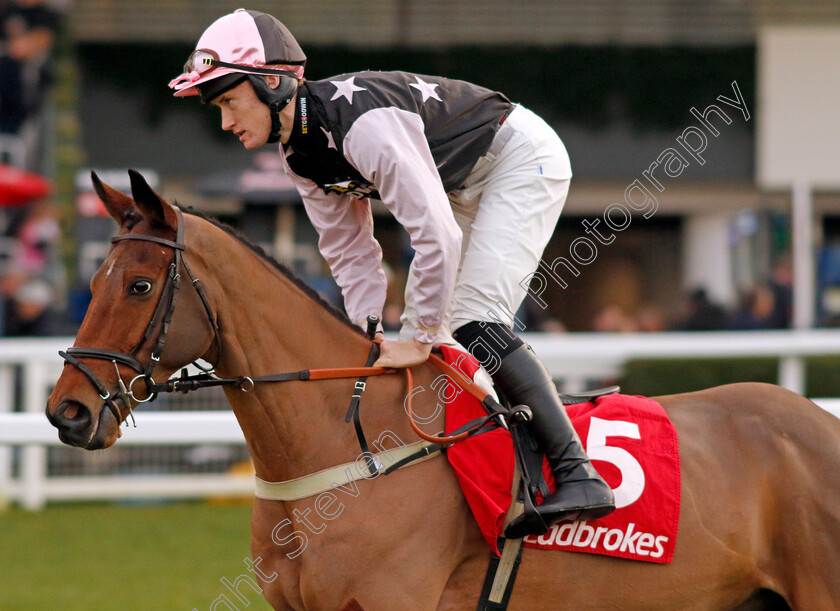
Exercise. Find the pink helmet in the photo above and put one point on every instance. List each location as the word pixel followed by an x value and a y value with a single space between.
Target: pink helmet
pixel 237 45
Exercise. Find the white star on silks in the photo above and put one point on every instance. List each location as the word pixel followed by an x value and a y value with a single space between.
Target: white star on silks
pixel 345 89
pixel 427 89
pixel 330 140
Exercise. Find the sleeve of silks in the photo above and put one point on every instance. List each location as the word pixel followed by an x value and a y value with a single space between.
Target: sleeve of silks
pixel 389 148
pixel 345 230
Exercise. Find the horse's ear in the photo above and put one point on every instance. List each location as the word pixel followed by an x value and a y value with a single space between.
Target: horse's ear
pixel 119 205
pixel 155 210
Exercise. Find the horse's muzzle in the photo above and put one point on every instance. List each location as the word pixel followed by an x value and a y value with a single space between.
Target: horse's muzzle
pixel 76 426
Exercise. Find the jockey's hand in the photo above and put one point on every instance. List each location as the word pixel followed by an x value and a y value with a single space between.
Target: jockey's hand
pixel 402 354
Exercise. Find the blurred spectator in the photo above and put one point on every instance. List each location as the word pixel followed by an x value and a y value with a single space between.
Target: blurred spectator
pixel 768 305
pixel 28 272
pixel 537 319
pixel 651 318
pixel 551 325
pixel 612 319
pixel 754 310
pixel 30 310
pixel 391 317
pixel 781 285
pixel 701 314
pixel 27 33
pixel 37 232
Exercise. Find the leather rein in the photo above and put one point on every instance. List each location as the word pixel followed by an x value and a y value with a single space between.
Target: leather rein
pixel 162 317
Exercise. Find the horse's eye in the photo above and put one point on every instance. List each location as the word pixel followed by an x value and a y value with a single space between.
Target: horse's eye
pixel 141 287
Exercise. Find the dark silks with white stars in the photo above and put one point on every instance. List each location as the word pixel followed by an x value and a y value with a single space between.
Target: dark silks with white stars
pixel 460 120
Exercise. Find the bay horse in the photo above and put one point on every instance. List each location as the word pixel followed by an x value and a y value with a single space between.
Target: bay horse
pixel 760 517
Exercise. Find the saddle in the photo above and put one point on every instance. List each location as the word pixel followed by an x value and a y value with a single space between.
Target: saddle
pixel 575 398
pixel 528 476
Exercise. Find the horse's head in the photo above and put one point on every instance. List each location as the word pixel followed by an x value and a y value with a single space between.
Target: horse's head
pixel 132 332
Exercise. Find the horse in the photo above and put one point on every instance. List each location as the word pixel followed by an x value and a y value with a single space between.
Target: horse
pixel 760 501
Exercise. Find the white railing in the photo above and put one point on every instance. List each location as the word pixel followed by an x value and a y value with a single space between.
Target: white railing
pixel 23 423
pixel 576 360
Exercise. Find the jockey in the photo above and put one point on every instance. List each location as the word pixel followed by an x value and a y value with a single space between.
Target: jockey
pixel 477 181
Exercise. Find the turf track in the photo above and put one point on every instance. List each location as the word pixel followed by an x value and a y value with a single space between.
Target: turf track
pixel 103 556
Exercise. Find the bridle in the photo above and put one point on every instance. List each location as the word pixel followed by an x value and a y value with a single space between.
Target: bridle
pixel 161 317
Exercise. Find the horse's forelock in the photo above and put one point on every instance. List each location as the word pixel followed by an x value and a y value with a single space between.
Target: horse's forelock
pixel 131 218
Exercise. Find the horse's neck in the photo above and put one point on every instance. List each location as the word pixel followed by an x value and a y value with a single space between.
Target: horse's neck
pixel 269 325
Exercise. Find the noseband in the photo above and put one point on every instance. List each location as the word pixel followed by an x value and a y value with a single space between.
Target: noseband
pixel 161 317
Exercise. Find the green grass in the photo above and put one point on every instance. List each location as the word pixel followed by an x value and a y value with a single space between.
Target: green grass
pixel 101 556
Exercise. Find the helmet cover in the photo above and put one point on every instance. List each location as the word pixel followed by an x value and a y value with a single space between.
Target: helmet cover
pixel 244 42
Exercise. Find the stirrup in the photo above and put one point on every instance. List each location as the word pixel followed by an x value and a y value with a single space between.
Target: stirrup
pixel 532 522
pixel 529 522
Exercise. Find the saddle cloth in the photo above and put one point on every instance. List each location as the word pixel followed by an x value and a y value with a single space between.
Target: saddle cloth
pixel 631 442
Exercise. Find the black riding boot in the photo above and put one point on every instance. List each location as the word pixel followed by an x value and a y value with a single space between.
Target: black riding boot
pixel 581 493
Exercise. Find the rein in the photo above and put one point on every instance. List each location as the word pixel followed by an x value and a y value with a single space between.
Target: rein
pixel 162 317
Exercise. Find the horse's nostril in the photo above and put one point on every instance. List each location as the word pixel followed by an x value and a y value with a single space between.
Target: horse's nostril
pixel 72 416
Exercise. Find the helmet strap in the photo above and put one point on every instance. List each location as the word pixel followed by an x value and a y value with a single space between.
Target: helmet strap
pixel 276 99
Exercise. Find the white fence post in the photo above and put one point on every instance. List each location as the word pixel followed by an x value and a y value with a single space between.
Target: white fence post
pixel 802 240
pixel 7 392
pixel 792 373
pixel 33 470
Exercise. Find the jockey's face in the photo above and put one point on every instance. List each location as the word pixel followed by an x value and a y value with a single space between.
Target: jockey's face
pixel 248 118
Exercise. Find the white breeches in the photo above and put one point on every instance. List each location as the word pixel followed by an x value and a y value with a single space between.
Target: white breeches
pixel 507 211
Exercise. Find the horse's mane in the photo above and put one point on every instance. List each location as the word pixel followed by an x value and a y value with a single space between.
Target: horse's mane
pixel 259 251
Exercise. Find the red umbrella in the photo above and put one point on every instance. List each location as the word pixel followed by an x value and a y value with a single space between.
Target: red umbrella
pixel 19 187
